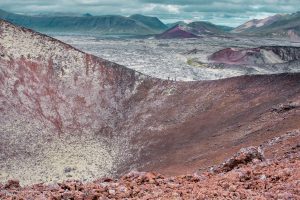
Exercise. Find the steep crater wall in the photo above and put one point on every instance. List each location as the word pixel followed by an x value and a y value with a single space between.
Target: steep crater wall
pixel 66 114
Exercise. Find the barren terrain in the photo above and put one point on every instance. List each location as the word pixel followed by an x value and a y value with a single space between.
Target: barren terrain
pixel 66 114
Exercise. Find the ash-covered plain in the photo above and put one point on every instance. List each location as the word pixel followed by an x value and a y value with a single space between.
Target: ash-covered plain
pixel 185 59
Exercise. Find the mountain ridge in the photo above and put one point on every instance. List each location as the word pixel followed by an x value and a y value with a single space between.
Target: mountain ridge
pixel 277 25
pixel 106 24
pixel 152 22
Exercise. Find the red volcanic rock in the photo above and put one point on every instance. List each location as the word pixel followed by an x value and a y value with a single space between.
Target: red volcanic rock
pixel 70 115
pixel 176 32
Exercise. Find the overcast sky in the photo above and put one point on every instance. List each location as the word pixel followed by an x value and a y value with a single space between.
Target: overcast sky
pixel 223 12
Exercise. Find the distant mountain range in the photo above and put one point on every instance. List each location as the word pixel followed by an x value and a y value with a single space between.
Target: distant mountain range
pixel 108 24
pixel 277 25
pixel 193 30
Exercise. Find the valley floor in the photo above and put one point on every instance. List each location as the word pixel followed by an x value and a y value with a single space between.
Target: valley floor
pixel 182 59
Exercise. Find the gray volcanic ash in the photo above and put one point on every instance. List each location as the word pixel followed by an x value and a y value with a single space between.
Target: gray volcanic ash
pixel 66 114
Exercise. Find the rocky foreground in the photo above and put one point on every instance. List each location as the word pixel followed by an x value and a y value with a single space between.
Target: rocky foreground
pixel 269 171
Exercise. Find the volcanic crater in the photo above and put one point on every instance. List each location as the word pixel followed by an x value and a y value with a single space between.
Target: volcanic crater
pixel 67 114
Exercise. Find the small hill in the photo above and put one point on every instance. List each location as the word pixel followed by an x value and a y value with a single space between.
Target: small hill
pixel 177 32
pixel 87 15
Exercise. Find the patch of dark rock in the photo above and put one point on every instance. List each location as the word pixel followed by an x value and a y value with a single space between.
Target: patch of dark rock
pixel 69 169
pixel 294 149
pixel 12 184
pixel 284 108
pixel 193 51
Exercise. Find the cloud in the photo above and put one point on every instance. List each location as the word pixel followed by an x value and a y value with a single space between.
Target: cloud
pixel 226 12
